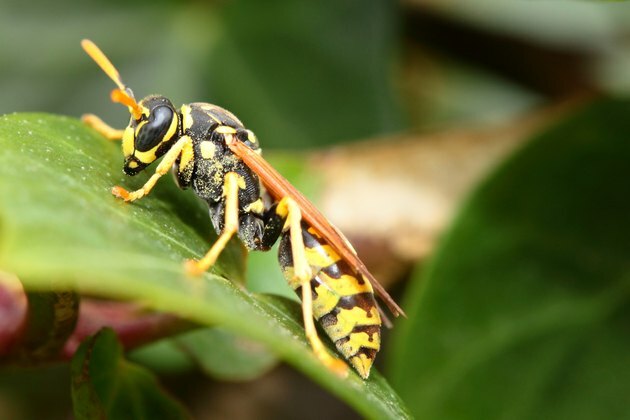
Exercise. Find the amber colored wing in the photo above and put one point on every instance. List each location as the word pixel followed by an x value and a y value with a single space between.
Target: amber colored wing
pixel 279 187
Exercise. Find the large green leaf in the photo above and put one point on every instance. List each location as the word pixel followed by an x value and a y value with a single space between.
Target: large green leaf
pixel 105 385
pixel 524 311
pixel 60 227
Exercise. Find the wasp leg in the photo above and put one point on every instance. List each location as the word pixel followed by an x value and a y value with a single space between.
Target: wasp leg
pixel 169 159
pixel 230 227
pixel 304 274
pixel 102 127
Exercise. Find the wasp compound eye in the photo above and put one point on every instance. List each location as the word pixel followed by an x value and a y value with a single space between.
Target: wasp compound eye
pixel 153 132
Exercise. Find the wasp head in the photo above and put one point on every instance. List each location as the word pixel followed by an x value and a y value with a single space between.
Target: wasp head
pixel 154 123
pixel 149 134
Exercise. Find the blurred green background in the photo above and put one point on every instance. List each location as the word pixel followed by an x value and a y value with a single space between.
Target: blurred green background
pixel 315 73
pixel 311 74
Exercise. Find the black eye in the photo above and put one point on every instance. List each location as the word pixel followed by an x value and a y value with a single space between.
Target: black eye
pixel 154 131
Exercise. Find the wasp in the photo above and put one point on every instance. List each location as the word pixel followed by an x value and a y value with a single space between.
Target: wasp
pixel 209 150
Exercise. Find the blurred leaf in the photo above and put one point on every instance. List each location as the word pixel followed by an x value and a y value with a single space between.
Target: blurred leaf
pixel 524 311
pixel 303 73
pixel 50 320
pixel 105 385
pixel 225 355
pixel 62 227
pixel 41 393
pixel 162 357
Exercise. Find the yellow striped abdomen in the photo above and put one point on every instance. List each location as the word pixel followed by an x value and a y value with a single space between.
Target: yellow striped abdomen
pixel 343 303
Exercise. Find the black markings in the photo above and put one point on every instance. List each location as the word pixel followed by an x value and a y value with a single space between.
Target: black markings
pixel 329 319
pixel 370 330
pixel 369 353
pixel 309 240
pixel 340 268
pixel 343 340
pixel 364 301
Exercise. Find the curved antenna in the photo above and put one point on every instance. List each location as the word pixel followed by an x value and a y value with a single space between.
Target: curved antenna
pixel 121 95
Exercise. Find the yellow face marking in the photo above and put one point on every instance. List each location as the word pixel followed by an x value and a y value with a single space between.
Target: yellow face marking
pixel 173 127
pixel 252 137
pixel 133 164
pixel 127 141
pixel 139 126
pixel 146 157
pixel 208 149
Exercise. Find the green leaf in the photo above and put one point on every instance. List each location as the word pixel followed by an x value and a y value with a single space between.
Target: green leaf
pixel 225 355
pixel 62 227
pixel 524 312
pixel 105 385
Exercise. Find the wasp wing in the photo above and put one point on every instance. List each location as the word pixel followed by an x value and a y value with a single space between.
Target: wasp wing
pixel 279 187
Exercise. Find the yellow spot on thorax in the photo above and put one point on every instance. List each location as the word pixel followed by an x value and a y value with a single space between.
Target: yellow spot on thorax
pixel 224 129
pixel 187 117
pixel 208 149
pixel 187 154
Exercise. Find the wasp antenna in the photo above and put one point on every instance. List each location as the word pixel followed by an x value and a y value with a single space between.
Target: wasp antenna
pixel 123 97
pixel 103 62
pixel 122 94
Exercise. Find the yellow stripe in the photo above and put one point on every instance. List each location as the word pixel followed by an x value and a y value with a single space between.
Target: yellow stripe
pixel 347 319
pixel 325 302
pixel 321 256
pixel 346 285
pixel 358 340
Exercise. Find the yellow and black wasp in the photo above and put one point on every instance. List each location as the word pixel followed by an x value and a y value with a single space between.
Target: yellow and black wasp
pixel 210 151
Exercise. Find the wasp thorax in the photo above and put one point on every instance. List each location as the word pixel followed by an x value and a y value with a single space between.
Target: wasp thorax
pixel 149 137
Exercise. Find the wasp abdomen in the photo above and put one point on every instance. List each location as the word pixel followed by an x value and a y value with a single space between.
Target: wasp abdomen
pixel 343 302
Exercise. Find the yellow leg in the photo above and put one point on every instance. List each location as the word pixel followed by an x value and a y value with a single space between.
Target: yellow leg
pixel 303 273
pixel 230 227
pixel 102 127
pixel 165 165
